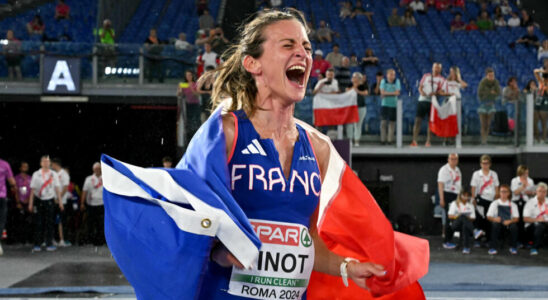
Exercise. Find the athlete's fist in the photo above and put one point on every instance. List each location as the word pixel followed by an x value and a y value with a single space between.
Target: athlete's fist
pixel 359 272
pixel 223 257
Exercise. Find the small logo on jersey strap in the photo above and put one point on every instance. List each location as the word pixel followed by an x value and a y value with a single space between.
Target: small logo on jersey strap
pixel 254 148
pixel 306 157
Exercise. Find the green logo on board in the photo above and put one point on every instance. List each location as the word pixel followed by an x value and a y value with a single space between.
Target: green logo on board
pixel 306 240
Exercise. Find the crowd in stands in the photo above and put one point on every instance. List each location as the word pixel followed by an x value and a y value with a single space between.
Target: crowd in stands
pixel 491 210
pixel 47 209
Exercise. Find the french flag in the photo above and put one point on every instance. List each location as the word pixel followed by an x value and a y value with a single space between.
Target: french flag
pixel 335 109
pixel 160 225
pixel 443 118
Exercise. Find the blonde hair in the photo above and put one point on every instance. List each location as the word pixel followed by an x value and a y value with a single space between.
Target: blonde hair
pixel 232 79
pixel 521 169
pixel 485 157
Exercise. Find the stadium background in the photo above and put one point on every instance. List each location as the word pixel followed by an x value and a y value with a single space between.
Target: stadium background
pixel 135 121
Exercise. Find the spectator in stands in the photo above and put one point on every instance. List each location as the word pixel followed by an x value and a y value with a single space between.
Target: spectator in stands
pixel 497 13
pixel 205 87
pixel 376 86
pixel 523 188
pixel 503 215
pixel 529 39
pixel 417 6
pixel 335 57
pixel 431 84
pixel 106 33
pixel 485 187
pixel 543 51
pixel 219 43
pixel 208 58
pixel 22 196
pixel 188 89
pixel 92 201
pixel 526 19
pixel 343 75
pixel 62 10
pixel 36 26
pixel 201 5
pixel 449 181
pixel 535 217
pixel 471 26
pixel 359 10
pixel 442 4
pixel 354 60
pixel 514 20
pixel 359 84
pixel 45 187
pixel 461 4
pixel 369 59
pixel 13 55
pixel 154 48
pixel 455 83
pixel 457 23
pixel 182 44
pixel 408 19
pixel 206 21
pixel 394 19
pixel 390 91
pixel 500 22
pixel 5 175
pixel 484 22
pixel 488 92
pixel 106 50
pixel 511 92
pixel 346 10
pixel 505 8
pixel 461 215
pixel 541 104
pixel 328 85
pixel 312 34
pixel 319 65
pixel 324 33
pixel 167 162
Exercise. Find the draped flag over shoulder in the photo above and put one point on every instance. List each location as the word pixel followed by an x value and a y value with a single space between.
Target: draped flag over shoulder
pixel 160 225
pixel 443 118
pixel 335 109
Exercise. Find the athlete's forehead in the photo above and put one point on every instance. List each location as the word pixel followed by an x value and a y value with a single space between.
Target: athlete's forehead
pixel 286 30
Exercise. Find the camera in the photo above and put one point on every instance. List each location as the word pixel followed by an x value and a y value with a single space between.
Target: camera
pixel 328 82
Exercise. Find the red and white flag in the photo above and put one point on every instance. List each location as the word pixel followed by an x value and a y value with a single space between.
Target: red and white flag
pixel 351 224
pixel 335 109
pixel 443 118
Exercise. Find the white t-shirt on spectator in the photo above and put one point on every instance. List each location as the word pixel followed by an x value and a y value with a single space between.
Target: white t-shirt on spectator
pixel 429 87
pixel 453 87
pixel 533 210
pixel 64 180
pixel 327 89
pixel 485 185
pixel 210 59
pixel 416 5
pixel 516 184
pixel 182 45
pixel 451 179
pixel 513 22
pixel 493 208
pixel 505 9
pixel 44 184
pixel 93 185
pixel 457 208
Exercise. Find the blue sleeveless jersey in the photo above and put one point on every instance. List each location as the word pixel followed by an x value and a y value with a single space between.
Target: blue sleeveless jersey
pixel 261 189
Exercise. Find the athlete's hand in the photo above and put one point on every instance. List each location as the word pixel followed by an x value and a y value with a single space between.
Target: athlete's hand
pixel 359 272
pixel 224 258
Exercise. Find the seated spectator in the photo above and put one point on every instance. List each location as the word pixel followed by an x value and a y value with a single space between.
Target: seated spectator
pixel 201 5
pixel 369 59
pixel 503 215
pixel 359 10
pixel 430 4
pixel 206 21
pixel 206 59
pixel 312 34
pixel 497 13
pixel 394 19
pixel 36 26
pixel 328 85
pixel 408 19
pixel 324 33
pixel 483 7
pixel 335 57
pixel 529 39
pixel 543 51
pixel 319 65
pixel 354 60
pixel 500 22
pixel 523 188
pixel 219 43
pixel 514 20
pixel 442 4
pixel 457 23
pixel 12 52
pixel 510 93
pixel 459 4
pixel 62 10
pixel 346 10
pixel 181 43
pixel 417 6
pixel 535 217
pixel 505 8
pixel 484 22
pixel 461 216
pixel 526 19
pixel 342 74
pixel 201 38
pixel 471 26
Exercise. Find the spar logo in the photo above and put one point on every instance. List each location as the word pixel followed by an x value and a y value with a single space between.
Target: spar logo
pixel 289 235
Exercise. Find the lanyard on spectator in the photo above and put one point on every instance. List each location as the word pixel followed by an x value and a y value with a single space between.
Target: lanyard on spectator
pixel 486 184
pixel 543 212
pixel 98 185
pixel 46 183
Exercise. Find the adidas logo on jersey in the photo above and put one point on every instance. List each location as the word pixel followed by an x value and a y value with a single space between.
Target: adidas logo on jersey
pixel 254 148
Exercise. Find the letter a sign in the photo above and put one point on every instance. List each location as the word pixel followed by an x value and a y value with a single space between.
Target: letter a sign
pixel 61 76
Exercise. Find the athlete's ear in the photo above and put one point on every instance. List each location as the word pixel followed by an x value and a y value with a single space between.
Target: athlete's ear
pixel 252 65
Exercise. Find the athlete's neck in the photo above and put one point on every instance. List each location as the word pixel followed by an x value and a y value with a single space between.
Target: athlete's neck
pixel 274 117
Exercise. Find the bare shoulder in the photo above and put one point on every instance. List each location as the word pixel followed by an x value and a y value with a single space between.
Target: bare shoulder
pixel 229 130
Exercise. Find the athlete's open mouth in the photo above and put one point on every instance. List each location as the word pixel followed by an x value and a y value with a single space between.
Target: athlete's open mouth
pixel 296 74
